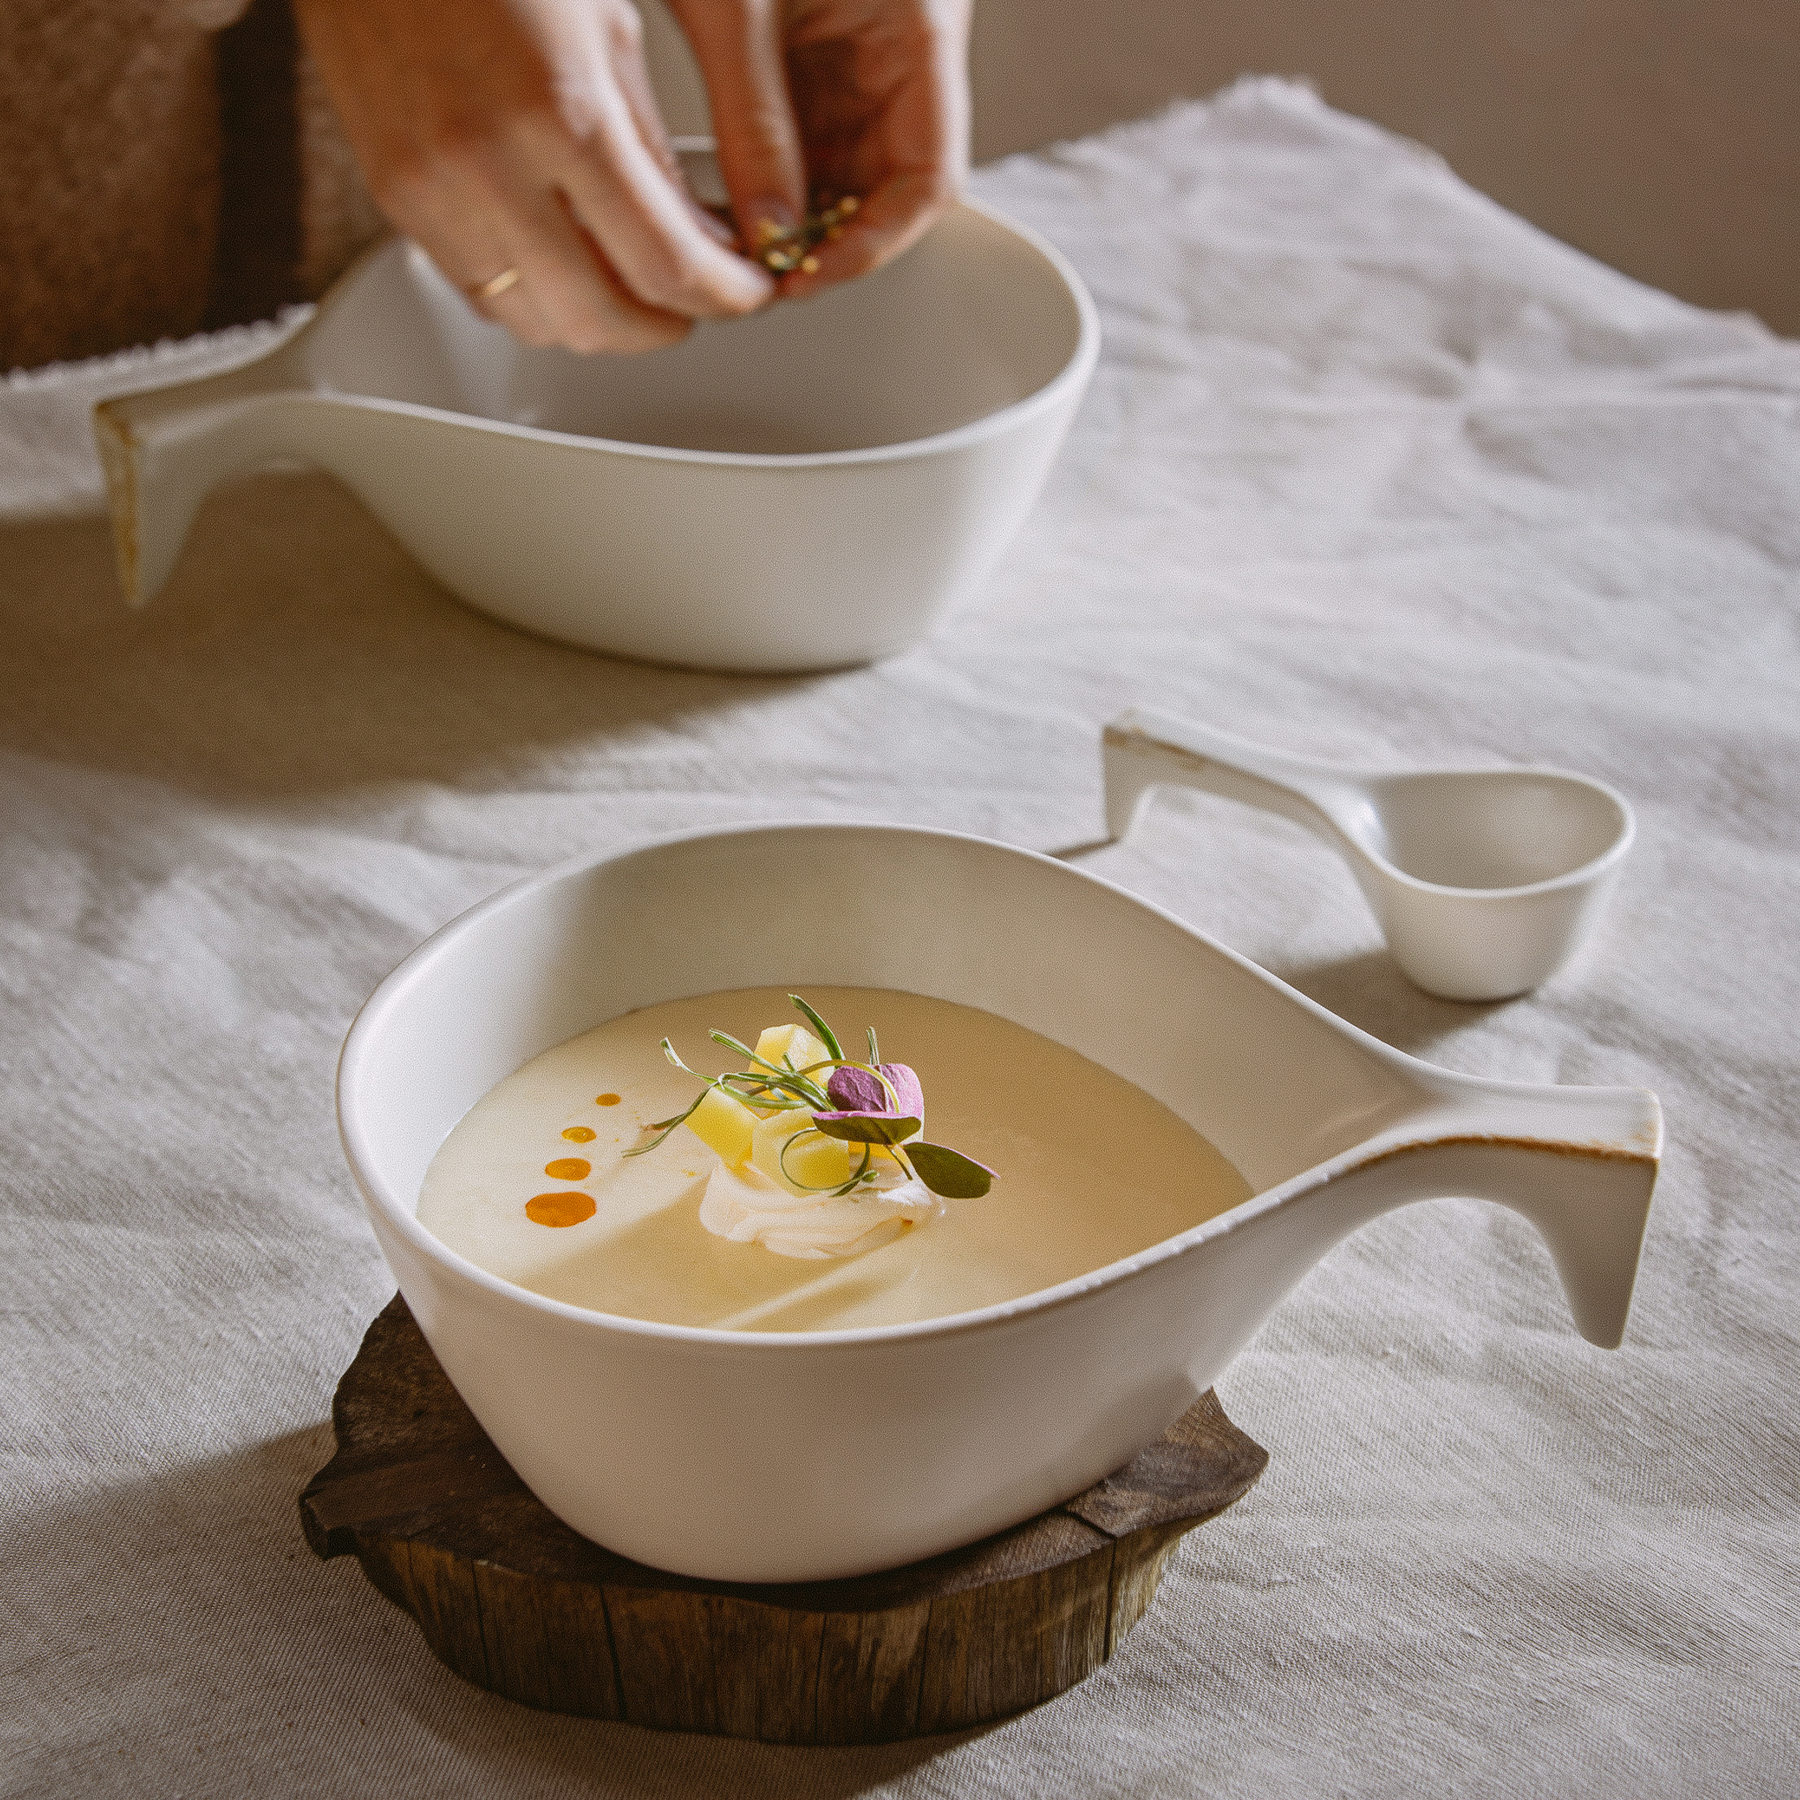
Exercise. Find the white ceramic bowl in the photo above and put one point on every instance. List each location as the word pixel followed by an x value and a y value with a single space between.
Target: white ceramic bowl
pixel 811 486
pixel 800 1456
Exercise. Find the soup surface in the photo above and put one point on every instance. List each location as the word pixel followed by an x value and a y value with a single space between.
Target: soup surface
pixel 533 1184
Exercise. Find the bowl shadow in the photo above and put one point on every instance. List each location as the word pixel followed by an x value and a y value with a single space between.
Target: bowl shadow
pixel 1369 990
pixel 298 650
pixel 178 1635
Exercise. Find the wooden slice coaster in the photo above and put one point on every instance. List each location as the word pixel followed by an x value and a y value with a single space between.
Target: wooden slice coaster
pixel 514 1601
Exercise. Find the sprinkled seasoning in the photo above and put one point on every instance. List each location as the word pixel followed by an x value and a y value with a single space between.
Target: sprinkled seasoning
pixel 781 251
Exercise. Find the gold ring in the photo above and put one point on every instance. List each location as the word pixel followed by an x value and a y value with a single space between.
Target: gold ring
pixel 492 290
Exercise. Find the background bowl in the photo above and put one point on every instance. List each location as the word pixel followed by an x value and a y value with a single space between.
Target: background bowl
pixel 812 486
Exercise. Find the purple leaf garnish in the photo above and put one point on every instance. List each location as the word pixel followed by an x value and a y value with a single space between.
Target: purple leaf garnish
pixel 909 1095
pixel 856 1090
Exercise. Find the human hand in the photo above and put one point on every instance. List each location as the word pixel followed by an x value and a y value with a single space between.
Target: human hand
pixel 869 97
pixel 522 135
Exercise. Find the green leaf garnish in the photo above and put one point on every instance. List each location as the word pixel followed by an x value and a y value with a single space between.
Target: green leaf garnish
pixel 803 1090
pixel 662 1127
pixel 759 1093
pixel 827 1036
pixel 948 1173
pixel 783 1074
pixel 799 1091
pixel 868 1128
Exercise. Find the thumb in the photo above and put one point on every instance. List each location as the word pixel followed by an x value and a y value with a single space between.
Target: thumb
pixel 737 44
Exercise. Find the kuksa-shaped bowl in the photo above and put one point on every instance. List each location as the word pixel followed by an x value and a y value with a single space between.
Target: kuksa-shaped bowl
pixel 808 487
pixel 747 1456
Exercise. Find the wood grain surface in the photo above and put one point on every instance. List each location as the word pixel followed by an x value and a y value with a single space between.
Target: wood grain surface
pixel 513 1600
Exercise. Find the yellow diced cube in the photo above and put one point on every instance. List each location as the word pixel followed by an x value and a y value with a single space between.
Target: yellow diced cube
pixel 725 1125
pixel 815 1163
pixel 795 1043
pixel 797 1046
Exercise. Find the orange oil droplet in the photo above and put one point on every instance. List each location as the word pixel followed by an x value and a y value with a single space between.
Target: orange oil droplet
pixel 606 1099
pixel 559 1209
pixel 579 1134
pixel 569 1168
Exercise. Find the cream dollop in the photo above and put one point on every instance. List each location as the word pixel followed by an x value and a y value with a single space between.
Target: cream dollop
pixel 746 1207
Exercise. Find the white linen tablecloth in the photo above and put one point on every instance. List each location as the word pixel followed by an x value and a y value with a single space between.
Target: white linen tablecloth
pixel 1371 469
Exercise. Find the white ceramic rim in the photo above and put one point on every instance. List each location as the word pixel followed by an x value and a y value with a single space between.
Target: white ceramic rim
pixel 1582 873
pixel 400 1214
pixel 1074 374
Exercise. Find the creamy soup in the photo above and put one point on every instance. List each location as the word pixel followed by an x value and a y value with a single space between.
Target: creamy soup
pixel 534 1185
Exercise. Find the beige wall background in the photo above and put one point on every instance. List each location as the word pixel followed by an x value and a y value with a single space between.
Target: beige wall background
pixel 1662 136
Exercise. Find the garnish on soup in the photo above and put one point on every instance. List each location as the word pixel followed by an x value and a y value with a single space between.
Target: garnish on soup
pixel 1095 1170
pixel 819 1154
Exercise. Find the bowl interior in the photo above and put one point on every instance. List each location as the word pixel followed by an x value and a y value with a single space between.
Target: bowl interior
pixel 1506 828
pixel 973 319
pixel 1275 1084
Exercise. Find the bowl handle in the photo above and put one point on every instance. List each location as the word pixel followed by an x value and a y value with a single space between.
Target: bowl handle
pixel 1579 1163
pixel 1143 750
pixel 1590 1206
pixel 165 449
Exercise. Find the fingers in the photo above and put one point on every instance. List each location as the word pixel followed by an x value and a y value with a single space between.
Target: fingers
pixel 589 314
pixel 486 217
pixel 740 52
pixel 522 134
pixel 891 220
pixel 633 76
pixel 881 88
pixel 517 308
pixel 661 245
pixel 612 159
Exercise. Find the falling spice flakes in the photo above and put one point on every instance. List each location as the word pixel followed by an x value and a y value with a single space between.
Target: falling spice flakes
pixel 782 251
pixel 569 1168
pixel 559 1209
pixel 579 1134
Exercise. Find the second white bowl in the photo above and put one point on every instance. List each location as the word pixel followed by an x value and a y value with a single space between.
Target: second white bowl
pixel 809 487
